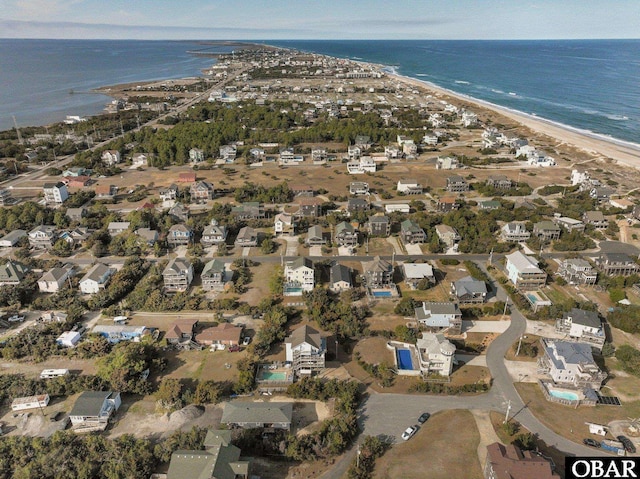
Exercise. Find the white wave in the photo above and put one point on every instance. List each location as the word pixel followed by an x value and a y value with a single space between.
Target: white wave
pixel 497 91
pixel 422 75
pixel 513 93
pixel 462 82
pixel 617 117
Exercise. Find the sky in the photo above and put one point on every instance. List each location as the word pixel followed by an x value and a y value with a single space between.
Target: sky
pixel 320 19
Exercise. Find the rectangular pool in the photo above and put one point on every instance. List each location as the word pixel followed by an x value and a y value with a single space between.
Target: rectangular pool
pixel 404 359
pixel 274 376
pixel 382 294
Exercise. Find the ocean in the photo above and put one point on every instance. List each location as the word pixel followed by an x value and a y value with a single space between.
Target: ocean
pixel 590 85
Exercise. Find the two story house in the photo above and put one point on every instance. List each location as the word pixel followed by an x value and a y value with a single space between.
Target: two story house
pixel 524 273
pixel 379 225
pixel 43 237
pixel 179 235
pixel 96 278
pixel 178 275
pixel 411 233
pixel 440 317
pixel 213 234
pixel 201 192
pixel 305 350
pixel 299 276
pixel 346 235
pixel 469 291
pixel 583 326
pixel 514 232
pixel 213 275
pixel 578 271
pixel 617 264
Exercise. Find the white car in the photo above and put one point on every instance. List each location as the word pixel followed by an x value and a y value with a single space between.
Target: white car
pixel 15 318
pixel 246 340
pixel 409 432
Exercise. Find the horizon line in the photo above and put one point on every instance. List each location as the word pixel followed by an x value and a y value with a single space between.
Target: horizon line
pixel 258 41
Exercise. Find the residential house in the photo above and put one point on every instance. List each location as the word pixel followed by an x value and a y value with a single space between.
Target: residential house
pixel 68 339
pixel 457 184
pixel 447 204
pixel 378 273
pixel 111 157
pixel 468 290
pixel 196 155
pixel 617 264
pixel 489 205
pixel 201 192
pixel 96 278
pixel 213 234
pixel 414 273
pixel 514 232
pixel 75 172
pixel 12 273
pixel 365 164
pixel 315 236
pixel 53 280
pixel 251 210
pixel 30 402
pixel 246 237
pixel 346 235
pixel 187 177
pixel 595 219
pixel 169 193
pixel 302 190
pixel 440 317
pixel 75 236
pixel 340 278
pixel 524 273
pixel 569 224
pixel 43 237
pixel 546 230
pixel 577 271
pixel 509 462
pixel 256 155
pixel 219 460
pixel 5 197
pixel 12 238
pixel 179 212
pixel 363 142
pixel 105 192
pixel 284 224
pixel 305 350
pixel 570 364
pixel 148 236
pixel 583 326
pixel 358 188
pixel 379 225
pixel 251 415
pixel 213 275
pixel 116 228
pixel 354 152
pixel 601 193
pixel 76 214
pixel 318 154
pixel 55 193
pixel 622 203
pixel 435 354
pixel 309 207
pixel 447 163
pixel 178 275
pixel 357 204
pixel 448 235
pixel 299 276
pixel 411 233
pixel 93 409
pixel 392 152
pixel 469 119
pixel 182 332
pixel 397 208
pixel 228 153
pixel 499 182
pixel 179 235
pixel 222 335
pixel 410 149
pixel 77 181
pixel 409 187
pixel 139 160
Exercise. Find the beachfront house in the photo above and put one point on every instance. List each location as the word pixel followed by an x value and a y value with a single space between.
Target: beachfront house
pixel 570 364
pixel 411 233
pixel 213 234
pixel 378 273
pixel 440 317
pixel 436 354
pixel 299 276
pixel 524 273
pixel 178 275
pixel 582 326
pixel 305 350
pixel 577 271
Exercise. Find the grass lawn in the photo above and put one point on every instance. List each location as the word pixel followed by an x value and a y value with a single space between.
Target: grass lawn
pixel 203 365
pixel 431 450
pixel 569 422
pixel 532 340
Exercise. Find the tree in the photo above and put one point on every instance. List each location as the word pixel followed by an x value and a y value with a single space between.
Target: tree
pixel 267 246
pixel 169 394
pixel 124 365
pixel 207 392
pixel 276 283
pixel 406 306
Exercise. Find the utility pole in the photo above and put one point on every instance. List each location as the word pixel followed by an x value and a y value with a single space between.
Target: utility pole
pixel 519 344
pixel 491 257
pixel 506 417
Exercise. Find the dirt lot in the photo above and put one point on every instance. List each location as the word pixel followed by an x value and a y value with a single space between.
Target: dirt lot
pixel 430 449
pixel 76 366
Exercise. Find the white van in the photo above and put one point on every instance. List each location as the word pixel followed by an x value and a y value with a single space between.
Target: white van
pixel 53 373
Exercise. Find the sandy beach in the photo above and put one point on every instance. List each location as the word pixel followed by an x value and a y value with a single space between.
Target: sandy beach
pixel 601 148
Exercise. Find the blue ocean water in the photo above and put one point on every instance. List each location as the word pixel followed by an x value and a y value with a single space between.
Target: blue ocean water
pixel 37 75
pixel 592 85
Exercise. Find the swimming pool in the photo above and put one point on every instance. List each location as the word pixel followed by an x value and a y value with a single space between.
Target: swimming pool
pixel 568 395
pixel 274 376
pixel 382 294
pixel 404 359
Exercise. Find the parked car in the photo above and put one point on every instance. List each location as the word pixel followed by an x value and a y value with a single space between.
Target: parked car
pixel 56 416
pixel 409 432
pixel 591 442
pixel 424 417
pixel 626 442
pixel 234 348
pixel 16 318
pixel 246 340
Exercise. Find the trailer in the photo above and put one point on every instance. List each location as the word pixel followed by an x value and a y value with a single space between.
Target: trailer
pixel 613 446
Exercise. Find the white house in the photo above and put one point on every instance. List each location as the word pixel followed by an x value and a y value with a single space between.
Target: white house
pixel 416 272
pixel 55 193
pixel 436 354
pixel 111 157
pixel 30 402
pixel 469 119
pixel 284 223
pixel 514 232
pixel 96 278
pixel 299 276
pixel 440 316
pixel 446 163
pixel 53 280
pixel 409 187
pixel 68 339
pixel 140 159
pixel 93 409
pixel 582 326
pixel 570 363
pixel 579 177
pixel 524 273
pixel 305 350
pixel 365 164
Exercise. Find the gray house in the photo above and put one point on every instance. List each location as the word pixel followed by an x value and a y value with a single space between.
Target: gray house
pixel 468 290
pixel 213 275
pixel 315 236
pixel 378 273
pixel 440 317
pixel 12 273
pixel 247 237
pixel 346 235
pixel 249 415
pixel 410 232
pixel 379 226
